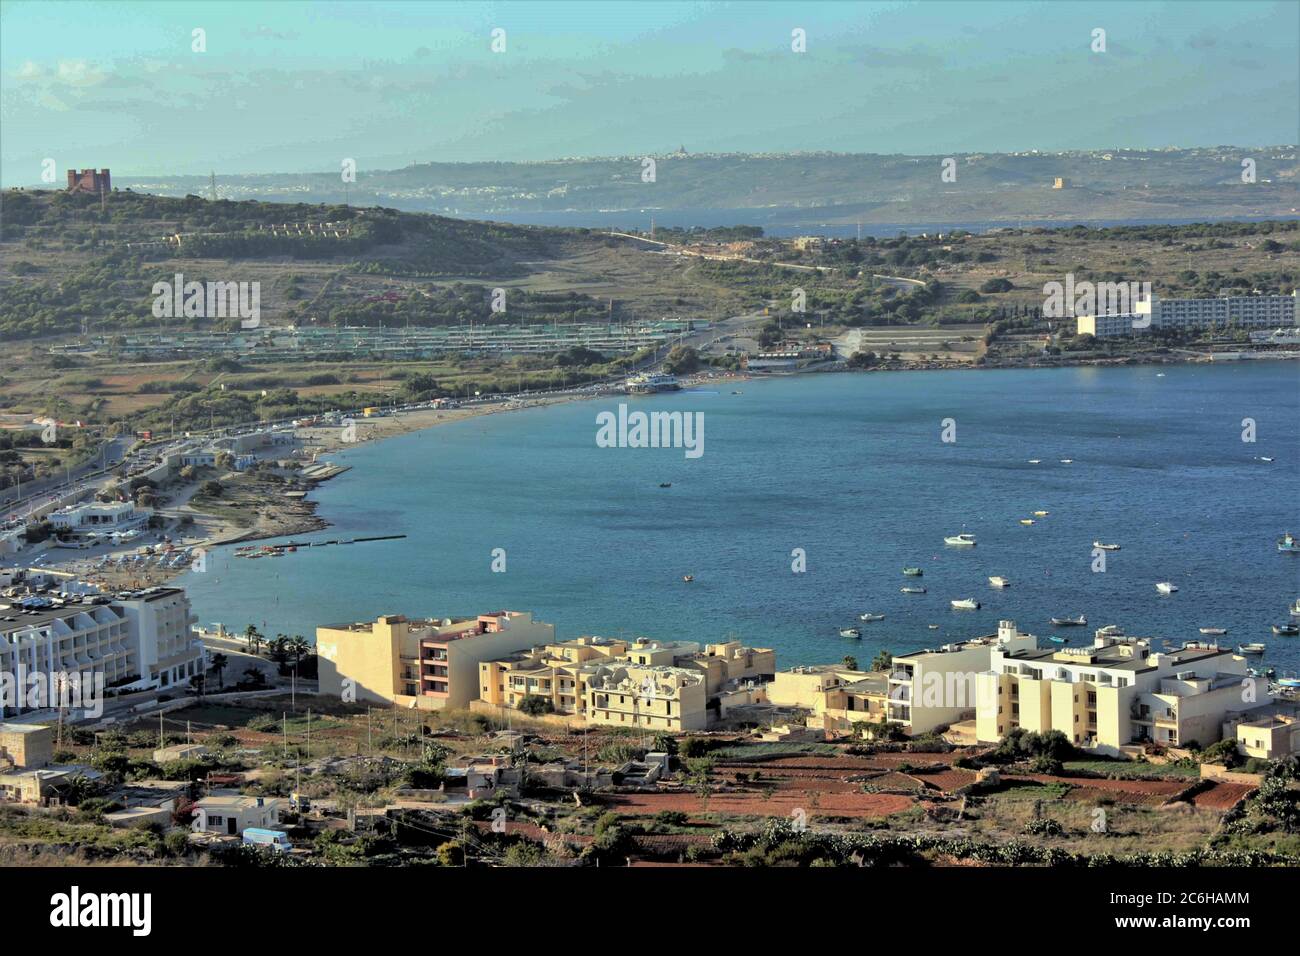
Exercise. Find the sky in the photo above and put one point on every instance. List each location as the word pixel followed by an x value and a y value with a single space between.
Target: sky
pixel 295 87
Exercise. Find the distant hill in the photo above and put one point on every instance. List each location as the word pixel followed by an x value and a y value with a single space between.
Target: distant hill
pixel 1202 183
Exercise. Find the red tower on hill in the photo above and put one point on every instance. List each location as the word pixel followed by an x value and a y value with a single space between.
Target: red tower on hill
pixel 89 181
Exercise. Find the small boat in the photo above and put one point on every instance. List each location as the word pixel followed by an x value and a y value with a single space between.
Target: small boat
pixel 1111 630
pixel 1067 461
pixel 1214 631
pixel 1286 630
pixel 1059 640
pixel 1035 461
pixel 1265 458
pixel 1105 547
pixel 963 539
pixel 1041 514
pixel 1252 649
pixel 917 572
pixel 912 590
pixel 999 582
pixel 869 617
pixel 965 604
pixel 1295 608
pixel 1288 682
pixel 1026 520
pixel 850 632
pixel 933 627
pixel 688 578
pixel 665 484
pixel 1165 587
pixel 1079 621
pixel 1288 544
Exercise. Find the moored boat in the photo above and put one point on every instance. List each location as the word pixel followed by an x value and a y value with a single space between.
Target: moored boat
pixel 963 539
pixel 1059 640
pixel 917 572
pixel 1079 621
pixel 999 582
pixel 869 617
pixel 1214 630
pixel 1252 649
pixel 966 604
pixel 1288 544
pixel 850 632
pixel 1105 547
pixel 1026 520
pixel 1166 587
pixel 1286 630
pixel 912 590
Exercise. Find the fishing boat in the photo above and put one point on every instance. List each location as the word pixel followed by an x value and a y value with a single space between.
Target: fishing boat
pixel 963 539
pixel 1105 547
pixel 965 604
pixel 1286 630
pixel 1166 587
pixel 1252 649
pixel 1288 544
pixel 1026 520
pixel 688 578
pixel 1079 621
pixel 869 617
pixel 999 582
pixel 850 632
pixel 1214 631
pixel 917 572
pixel 912 590
pixel 1059 640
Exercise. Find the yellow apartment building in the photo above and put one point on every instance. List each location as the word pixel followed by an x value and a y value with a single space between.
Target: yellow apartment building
pixel 1117 694
pixel 431 664
pixel 838 698
pixel 555 672
pixel 656 697
pixel 1269 733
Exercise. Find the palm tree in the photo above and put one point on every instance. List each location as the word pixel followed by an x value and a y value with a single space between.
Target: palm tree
pixel 253 636
pixel 218 664
pixel 298 646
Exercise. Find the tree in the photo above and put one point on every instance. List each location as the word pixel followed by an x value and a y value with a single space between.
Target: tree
pixel 850 662
pixel 534 705
pixel 997 285
pixel 254 638
pixel 219 663
pixel 883 661
pixel 682 360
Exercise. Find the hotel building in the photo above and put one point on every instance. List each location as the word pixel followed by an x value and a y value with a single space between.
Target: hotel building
pixel 1116 695
pixel 933 688
pixel 136 640
pixel 431 664
pixel 1183 315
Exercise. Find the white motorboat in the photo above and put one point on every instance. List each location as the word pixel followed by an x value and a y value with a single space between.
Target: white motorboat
pixel 912 590
pixel 963 539
pixel 1165 587
pixel 1105 547
pixel 1079 621
pixel 1254 650
pixel 850 632
pixel 1214 631
pixel 999 582
pixel 966 604
pixel 869 617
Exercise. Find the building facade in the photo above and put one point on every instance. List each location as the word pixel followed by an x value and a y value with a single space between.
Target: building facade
pixel 1185 315
pixel 431 664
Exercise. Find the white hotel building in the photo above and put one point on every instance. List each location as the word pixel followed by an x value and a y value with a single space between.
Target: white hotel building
pixel 1224 312
pixel 139 640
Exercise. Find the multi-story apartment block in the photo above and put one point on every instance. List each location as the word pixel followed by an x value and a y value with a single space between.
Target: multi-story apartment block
pixel 655 697
pixel 138 639
pixel 555 672
pixel 840 700
pixel 1116 694
pixel 430 664
pixel 1224 312
pixel 933 688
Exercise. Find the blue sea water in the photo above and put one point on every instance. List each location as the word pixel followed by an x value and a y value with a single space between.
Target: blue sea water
pixel 849 468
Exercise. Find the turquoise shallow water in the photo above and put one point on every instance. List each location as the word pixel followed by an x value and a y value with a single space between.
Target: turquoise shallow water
pixel 849 468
